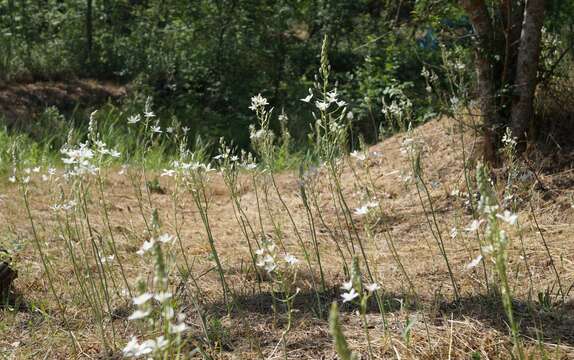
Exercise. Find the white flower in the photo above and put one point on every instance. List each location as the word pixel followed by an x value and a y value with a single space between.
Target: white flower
pixel 168 313
pixel 142 299
pixel 474 225
pixel 358 155
pixel 372 287
pixel 347 285
pixel 185 129
pixel 12 179
pixel 168 172
pixel 139 314
pixel 181 317
pixel 488 209
pixel 163 296
pixel 170 130
pixel 257 102
pixel 149 114
pixel 332 96
pixel 453 233
pixel 80 159
pixel 308 97
pixel 424 72
pixel 132 347
pixel 161 342
pixel 322 105
pixel 147 245
pixel 487 249
pixel 135 349
pixel 349 296
pixel 108 259
pixel 114 153
pixel 474 262
pixel 250 166
pixel 291 260
pixel 508 139
pixel 134 119
pixel 177 328
pixel 156 129
pixel 165 238
pixel 123 169
pixel 363 210
pixel 36 169
pixel 508 217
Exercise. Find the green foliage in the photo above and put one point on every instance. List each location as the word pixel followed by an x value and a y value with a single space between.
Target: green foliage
pixel 201 61
pixel 27 151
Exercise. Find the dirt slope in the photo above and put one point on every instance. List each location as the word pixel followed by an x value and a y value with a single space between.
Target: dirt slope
pixel 23 101
pixel 441 328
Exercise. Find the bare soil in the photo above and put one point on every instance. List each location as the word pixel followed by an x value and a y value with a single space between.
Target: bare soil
pixel 24 101
pixel 441 328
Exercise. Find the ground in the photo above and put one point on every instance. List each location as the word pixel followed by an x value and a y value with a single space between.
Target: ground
pixel 20 102
pixel 426 323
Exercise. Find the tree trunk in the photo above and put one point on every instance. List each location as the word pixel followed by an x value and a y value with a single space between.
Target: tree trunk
pixel 480 19
pixel 526 67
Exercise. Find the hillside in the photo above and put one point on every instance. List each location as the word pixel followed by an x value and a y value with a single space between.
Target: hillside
pixel 423 322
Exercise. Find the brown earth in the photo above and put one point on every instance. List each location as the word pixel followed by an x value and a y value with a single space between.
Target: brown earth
pixel 24 101
pixel 441 327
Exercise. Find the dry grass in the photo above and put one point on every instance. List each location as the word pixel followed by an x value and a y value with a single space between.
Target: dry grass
pixel 441 328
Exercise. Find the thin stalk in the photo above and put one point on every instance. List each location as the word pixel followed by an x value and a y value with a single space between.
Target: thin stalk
pixel 24 192
pixel 113 241
pixel 301 243
pixel 547 252
pixel 438 234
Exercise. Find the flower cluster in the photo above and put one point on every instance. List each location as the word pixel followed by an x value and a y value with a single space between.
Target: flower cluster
pixel 159 301
pixel 79 159
pixel 148 245
pixel 269 260
pixel 354 287
pixel 491 216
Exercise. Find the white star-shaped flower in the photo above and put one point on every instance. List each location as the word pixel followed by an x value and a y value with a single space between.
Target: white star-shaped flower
pixel 349 296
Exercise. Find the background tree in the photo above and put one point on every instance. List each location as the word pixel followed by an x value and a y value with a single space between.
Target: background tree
pixel 508 37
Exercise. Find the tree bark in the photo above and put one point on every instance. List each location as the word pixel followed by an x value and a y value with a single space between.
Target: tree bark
pixel 526 67
pixel 480 19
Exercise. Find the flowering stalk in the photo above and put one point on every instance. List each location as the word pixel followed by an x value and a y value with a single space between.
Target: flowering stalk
pixel 283 274
pixel 498 242
pixel 263 142
pixel 229 166
pixel 356 289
